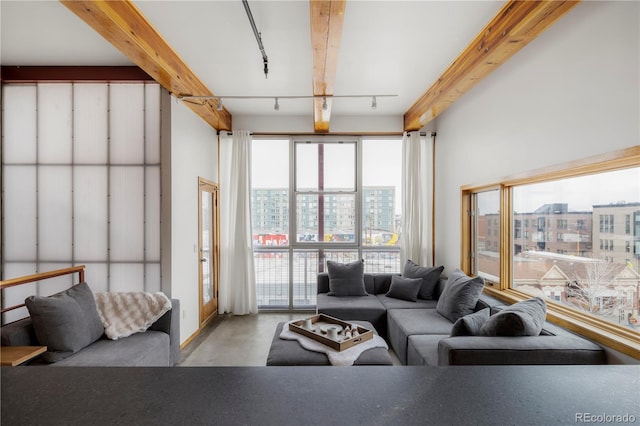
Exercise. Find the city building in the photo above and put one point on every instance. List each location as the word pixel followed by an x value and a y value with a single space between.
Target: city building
pixel 553 228
pixel 270 216
pixel 616 233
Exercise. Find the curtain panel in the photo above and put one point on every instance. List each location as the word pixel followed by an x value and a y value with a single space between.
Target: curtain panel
pixel 237 288
pixel 417 199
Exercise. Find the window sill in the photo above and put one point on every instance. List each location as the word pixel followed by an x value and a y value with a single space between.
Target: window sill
pixel 607 334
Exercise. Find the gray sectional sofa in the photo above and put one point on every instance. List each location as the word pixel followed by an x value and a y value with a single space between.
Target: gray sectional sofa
pixel 419 335
pixel 159 345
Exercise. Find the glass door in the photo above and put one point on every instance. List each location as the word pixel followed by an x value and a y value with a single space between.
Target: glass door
pixel 208 249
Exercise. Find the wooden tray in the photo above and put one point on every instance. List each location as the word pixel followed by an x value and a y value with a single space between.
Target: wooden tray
pixel 316 333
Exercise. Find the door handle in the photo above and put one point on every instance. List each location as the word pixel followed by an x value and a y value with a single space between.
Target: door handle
pixel 204 259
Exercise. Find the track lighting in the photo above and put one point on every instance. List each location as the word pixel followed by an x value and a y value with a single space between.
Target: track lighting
pixel 276 99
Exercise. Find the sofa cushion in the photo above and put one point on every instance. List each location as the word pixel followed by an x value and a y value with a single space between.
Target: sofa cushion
pixel 404 288
pixel 148 349
pixel 470 325
pixel 65 322
pixel 367 308
pixel 403 323
pixel 524 318
pixel 19 333
pixel 430 277
pixel 392 303
pixel 422 349
pixel 381 282
pixel 460 295
pixel 346 279
pixel 565 348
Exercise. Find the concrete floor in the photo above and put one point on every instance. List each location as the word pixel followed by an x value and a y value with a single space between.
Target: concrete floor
pixel 239 341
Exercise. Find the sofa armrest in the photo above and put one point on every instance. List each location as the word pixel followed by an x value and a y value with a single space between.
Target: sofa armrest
pixel 170 324
pixel 526 350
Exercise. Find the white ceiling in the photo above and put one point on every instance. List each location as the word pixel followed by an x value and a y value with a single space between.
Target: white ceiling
pixel 388 47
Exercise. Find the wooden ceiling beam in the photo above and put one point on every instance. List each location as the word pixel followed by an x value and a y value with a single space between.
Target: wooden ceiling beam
pixel 514 26
pixel 123 25
pixel 327 19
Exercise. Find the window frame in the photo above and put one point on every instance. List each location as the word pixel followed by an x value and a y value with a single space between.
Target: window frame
pixel 611 335
pixel 324 249
pixel 357 192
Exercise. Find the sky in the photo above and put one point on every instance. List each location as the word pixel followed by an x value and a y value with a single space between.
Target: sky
pixel 382 160
pixel 581 193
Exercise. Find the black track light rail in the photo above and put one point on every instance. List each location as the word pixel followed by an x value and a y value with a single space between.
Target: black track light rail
pixel 265 59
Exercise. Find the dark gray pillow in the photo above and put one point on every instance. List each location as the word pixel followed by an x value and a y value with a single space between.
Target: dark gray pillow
pixel 460 295
pixel 404 288
pixel 346 279
pixel 470 325
pixel 524 318
pixel 430 277
pixel 65 322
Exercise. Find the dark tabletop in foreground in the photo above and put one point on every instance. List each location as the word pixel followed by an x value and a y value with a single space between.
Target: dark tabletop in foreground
pixel 500 395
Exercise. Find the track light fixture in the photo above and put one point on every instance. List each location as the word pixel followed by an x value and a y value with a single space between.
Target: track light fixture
pixel 276 99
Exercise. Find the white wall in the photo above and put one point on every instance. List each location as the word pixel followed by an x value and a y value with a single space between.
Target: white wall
pixel 291 124
pixel 194 153
pixel 571 93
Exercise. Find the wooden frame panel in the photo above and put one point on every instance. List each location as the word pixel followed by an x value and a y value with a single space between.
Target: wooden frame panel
pixel 123 25
pixel 513 27
pixel 70 74
pixel 614 336
pixel 39 277
pixel 327 19
pixel 208 311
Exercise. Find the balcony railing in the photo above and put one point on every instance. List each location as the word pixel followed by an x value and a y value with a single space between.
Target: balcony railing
pixel 287 278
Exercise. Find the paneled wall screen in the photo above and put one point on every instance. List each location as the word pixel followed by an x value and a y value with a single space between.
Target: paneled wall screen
pixel 81 185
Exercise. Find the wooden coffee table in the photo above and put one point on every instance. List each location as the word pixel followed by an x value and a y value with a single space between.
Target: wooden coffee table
pixel 16 355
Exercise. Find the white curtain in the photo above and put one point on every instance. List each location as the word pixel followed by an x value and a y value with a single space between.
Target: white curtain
pixel 417 199
pixel 237 288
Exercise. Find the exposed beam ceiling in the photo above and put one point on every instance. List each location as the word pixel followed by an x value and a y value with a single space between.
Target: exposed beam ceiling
pixel 124 26
pixel 513 27
pixel 327 18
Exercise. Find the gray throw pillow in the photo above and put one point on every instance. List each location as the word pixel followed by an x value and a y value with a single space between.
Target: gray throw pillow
pixel 460 295
pixel 346 279
pixel 430 277
pixel 404 288
pixel 470 325
pixel 524 318
pixel 65 322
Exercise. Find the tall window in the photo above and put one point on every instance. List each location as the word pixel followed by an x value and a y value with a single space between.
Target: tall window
pixel 315 200
pixel 593 283
pixel 270 220
pixel 381 204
